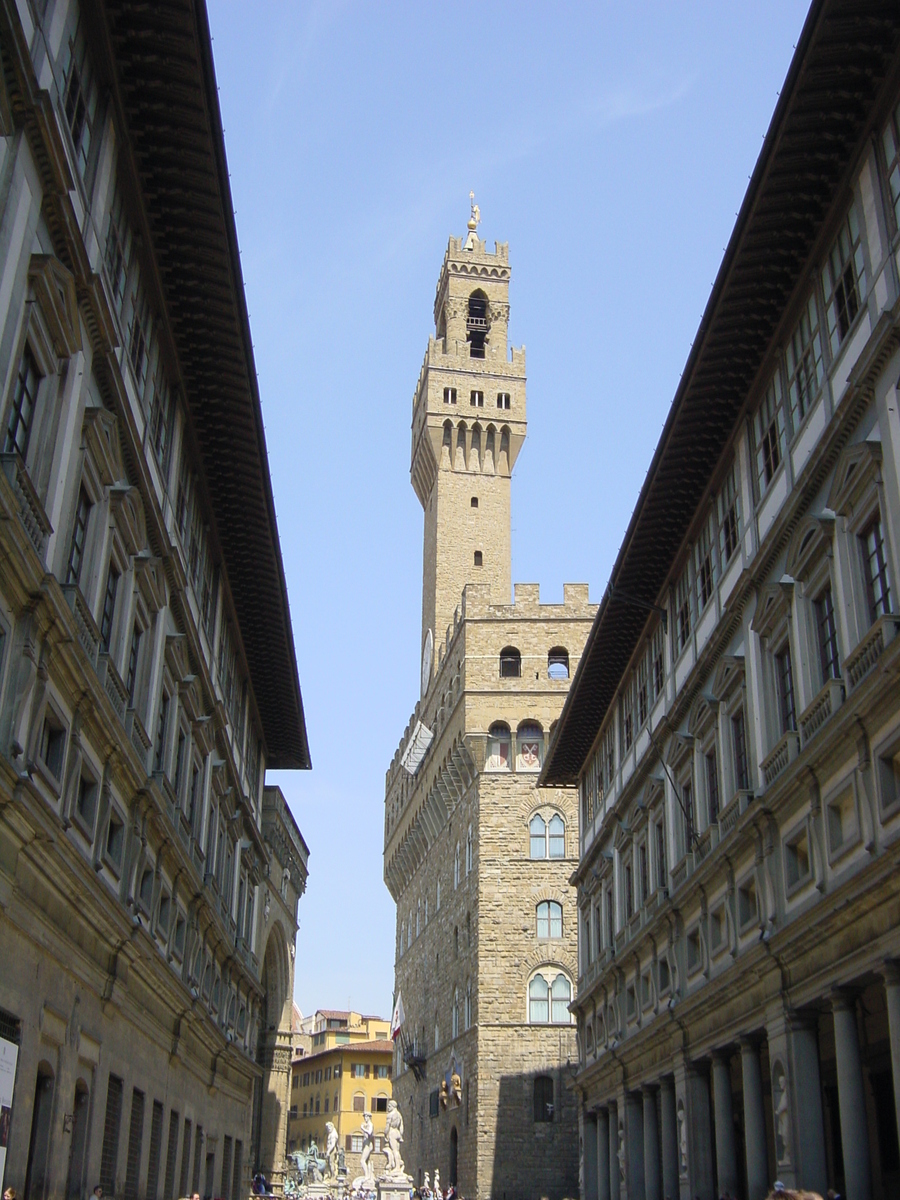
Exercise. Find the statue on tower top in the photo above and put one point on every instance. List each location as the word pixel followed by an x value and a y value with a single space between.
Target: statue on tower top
pixel 474 220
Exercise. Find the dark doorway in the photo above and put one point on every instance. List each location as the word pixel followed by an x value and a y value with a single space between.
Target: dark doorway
pixel 39 1145
pixel 79 1141
pixel 454 1155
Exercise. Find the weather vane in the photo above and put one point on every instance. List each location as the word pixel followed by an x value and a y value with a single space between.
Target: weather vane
pixel 475 216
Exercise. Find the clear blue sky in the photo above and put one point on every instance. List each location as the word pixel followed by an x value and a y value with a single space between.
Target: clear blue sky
pixel 610 145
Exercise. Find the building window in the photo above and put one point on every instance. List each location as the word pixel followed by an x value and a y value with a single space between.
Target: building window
pixel 543 1098
pixel 79 97
pixel 768 432
pixel 503 400
pixel 705 564
pixel 609 905
pixel 784 679
pixel 109 608
pixel 683 614
pixel 804 362
pixel 449 395
pixel 139 336
pixel 134 653
pixel 477 324
pixel 549 1002
pixel 628 889
pixel 657 661
pixel 739 750
pixel 729 517
pixel 529 747
pixel 469 851
pixel 161 421
pixel 662 871
pixel 549 919
pixel 844 280
pixel 712 785
pixel 499 740
pixel 79 536
pixel 538 836
pixel 558 663
pixel 628 716
pixel 476 399
pixel 454 1014
pixel 878 588
pixel 556 837
pixel 52 745
pixel 478 558
pixel 456 866
pixel 510 663
pixel 641 691
pixel 826 634
pixel 643 872
pixel 474 502
pixel 118 247
pixel 21 413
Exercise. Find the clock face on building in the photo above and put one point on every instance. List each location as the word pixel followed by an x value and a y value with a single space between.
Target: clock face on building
pixel 427 655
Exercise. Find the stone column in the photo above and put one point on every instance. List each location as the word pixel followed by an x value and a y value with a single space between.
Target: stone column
pixel 754 1122
pixel 634 1146
pixel 811 1168
pixel 652 1180
pixel 851 1099
pixel 589 1156
pixel 603 1154
pixel 613 1151
pixel 669 1138
pixel 699 1134
pixel 892 991
pixel 726 1160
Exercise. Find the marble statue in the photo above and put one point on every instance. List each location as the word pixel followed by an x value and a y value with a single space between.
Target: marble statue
pixel 368 1132
pixel 331 1150
pixel 393 1133
pixel 782 1114
pixel 620 1153
pixel 437 1183
pixel 426 1185
pixel 682 1140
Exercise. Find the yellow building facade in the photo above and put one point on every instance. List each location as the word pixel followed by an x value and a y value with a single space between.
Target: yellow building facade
pixel 346 1073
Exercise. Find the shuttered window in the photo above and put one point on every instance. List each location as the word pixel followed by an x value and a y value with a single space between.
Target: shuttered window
pixel 198 1150
pixel 110 1149
pixel 135 1141
pixel 185 1158
pixel 171 1157
pixel 156 1128
pixel 238 1170
pixel 225 1185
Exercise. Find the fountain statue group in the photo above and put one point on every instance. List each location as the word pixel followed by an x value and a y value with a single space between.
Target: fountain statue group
pixel 318 1175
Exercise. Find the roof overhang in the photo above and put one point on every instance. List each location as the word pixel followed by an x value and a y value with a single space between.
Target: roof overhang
pixel 165 85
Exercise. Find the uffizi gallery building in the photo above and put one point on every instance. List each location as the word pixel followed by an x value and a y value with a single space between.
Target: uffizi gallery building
pixel 734 725
pixel 149 879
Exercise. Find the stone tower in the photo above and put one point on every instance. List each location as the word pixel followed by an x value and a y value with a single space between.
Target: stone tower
pixel 468 427
pixel 476 857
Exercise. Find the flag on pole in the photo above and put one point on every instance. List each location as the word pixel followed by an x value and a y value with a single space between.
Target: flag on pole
pixel 398 1018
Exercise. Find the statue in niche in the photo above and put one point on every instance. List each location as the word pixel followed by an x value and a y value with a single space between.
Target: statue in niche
pixel 682 1140
pixel 620 1153
pixel 781 1099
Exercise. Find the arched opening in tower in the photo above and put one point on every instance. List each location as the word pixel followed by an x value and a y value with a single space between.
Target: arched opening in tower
pixel 477 325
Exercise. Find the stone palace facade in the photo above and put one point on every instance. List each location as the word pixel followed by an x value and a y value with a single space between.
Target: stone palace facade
pixel 149 879
pixel 476 857
pixel 734 728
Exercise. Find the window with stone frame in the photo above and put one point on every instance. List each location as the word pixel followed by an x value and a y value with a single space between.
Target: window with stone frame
pixel 161 417
pixel 705 565
pixel 844 279
pixel 728 516
pixel 628 883
pixel 549 919
pixel 810 562
pixel 20 416
pixel 80 94
pixel 680 760
pixel 78 537
pixel 703 724
pixel 727 685
pixel 608 758
pixel 119 245
pixel 138 338
pixel 890 144
pixel 684 615
pixel 588 790
pixel 803 360
pixel 627 710
pixel 529 746
pixel 661 863
pixel 642 689
pixel 549 996
pixel 862 547
pixel 769 433
pixel 609 912
pixel 772 622
pixel 642 871
pixel 657 668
